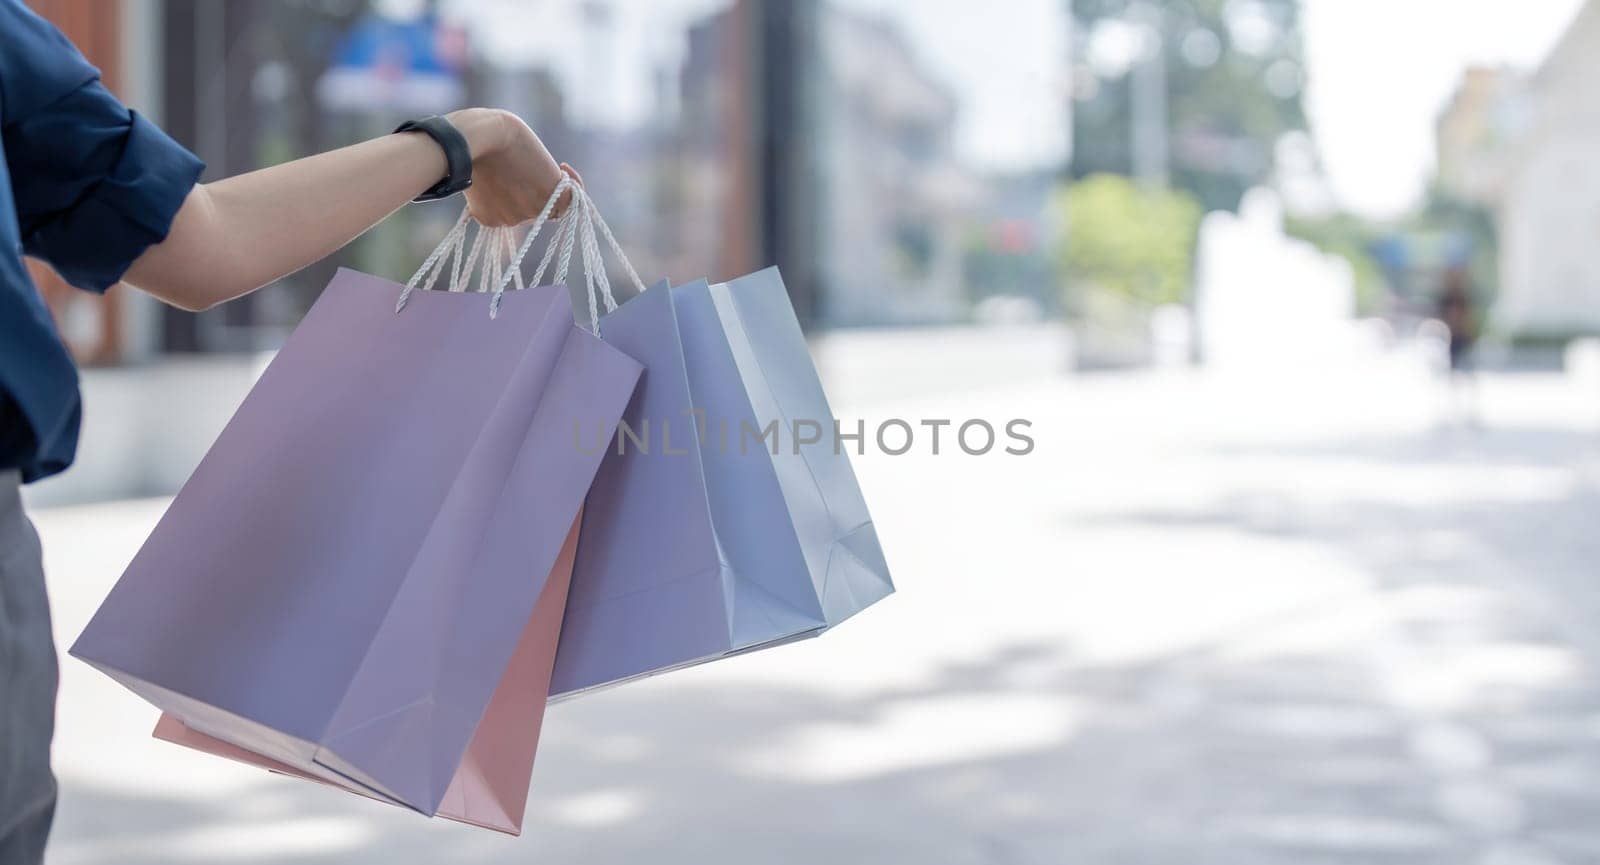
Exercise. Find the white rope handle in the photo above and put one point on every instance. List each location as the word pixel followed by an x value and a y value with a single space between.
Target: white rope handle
pixel 494 245
pixel 596 281
pixel 501 246
pixel 565 235
pixel 579 223
pixel 491 243
pixel 501 256
pixel 566 184
pixel 433 265
pixel 511 250
pixel 463 275
pixel 616 248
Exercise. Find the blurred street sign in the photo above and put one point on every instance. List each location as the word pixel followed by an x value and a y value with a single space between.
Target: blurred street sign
pixel 411 66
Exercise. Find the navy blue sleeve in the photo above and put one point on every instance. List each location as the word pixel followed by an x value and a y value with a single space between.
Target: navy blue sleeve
pixel 95 184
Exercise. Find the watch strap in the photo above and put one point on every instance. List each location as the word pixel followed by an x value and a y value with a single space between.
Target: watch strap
pixel 457 155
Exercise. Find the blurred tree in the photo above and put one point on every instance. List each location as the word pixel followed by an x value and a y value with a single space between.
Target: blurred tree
pixel 1192 93
pixel 1126 239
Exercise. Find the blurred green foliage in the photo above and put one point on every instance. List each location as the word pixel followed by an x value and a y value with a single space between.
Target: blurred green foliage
pixel 1124 238
pixel 1234 72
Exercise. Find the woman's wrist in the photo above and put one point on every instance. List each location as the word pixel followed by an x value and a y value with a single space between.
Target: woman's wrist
pixel 512 173
pixel 484 129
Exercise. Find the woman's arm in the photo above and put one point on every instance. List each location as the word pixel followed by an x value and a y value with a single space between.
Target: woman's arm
pixel 235 235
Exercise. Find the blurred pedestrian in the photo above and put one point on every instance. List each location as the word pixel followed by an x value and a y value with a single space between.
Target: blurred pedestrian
pixel 1457 310
pixel 104 196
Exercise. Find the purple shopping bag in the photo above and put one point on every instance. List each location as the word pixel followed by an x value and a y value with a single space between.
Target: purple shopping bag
pixel 490 788
pixel 341 584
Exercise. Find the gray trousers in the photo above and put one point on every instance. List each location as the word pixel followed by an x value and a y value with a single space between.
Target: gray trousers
pixel 27 687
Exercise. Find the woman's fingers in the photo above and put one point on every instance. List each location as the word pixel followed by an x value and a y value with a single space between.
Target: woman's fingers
pixel 566 199
pixel 577 178
pixel 512 188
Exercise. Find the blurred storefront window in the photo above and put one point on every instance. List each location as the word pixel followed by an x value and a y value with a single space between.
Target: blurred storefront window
pixel 719 136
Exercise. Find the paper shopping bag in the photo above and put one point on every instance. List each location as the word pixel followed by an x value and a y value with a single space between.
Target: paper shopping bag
pixel 745 330
pixel 698 544
pixel 341 585
pixel 490 787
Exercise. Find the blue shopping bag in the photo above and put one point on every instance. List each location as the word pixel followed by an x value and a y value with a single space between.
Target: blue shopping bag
pixel 712 528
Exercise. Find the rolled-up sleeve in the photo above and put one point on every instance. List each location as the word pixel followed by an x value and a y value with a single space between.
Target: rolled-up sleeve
pixel 95 184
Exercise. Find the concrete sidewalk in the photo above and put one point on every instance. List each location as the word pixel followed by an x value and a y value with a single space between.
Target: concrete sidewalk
pixel 1210 619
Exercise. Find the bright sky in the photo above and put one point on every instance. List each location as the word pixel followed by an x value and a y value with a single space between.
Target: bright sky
pixel 1379 70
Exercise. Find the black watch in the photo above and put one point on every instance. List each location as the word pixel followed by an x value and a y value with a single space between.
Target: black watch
pixel 457 155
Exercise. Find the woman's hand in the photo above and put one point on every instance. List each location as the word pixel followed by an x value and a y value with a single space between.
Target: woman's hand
pixel 512 172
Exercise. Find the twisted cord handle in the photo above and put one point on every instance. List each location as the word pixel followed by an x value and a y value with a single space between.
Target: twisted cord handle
pixel 491 243
pixel 579 224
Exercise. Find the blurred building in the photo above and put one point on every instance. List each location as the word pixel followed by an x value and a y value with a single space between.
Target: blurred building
pixel 245 84
pixel 800 134
pixel 895 198
pixel 870 182
pixel 1474 131
pixel 744 185
pixel 534 94
pixel 1549 196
